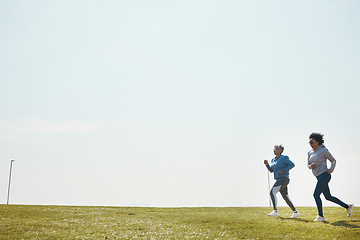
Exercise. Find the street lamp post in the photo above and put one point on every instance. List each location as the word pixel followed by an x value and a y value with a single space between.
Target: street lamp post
pixel 9 181
pixel 269 187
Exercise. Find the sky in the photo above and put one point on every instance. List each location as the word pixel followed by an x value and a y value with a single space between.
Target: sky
pixel 175 103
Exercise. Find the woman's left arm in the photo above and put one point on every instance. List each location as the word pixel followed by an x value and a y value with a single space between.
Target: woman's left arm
pixel 332 160
pixel 289 164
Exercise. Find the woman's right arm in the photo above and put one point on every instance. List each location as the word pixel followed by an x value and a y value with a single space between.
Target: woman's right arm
pixel 310 165
pixel 268 166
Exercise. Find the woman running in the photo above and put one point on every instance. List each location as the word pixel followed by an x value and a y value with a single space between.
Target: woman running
pixel 317 162
pixel 281 166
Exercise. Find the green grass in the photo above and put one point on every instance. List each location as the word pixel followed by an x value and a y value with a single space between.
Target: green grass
pixel 60 222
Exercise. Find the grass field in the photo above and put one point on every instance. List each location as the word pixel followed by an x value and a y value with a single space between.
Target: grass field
pixel 62 222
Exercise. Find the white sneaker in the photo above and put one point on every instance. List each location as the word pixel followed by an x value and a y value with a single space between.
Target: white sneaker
pixel 274 214
pixel 295 214
pixel 349 209
pixel 320 219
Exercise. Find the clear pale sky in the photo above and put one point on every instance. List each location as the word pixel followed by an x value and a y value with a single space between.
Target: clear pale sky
pixel 175 103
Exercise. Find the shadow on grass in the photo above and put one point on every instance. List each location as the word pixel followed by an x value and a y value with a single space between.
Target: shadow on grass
pixel 347 224
pixel 296 219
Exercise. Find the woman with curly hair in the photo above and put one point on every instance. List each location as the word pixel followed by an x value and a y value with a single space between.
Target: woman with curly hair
pixel 317 162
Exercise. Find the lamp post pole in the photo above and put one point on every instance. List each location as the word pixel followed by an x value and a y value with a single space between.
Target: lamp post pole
pixel 9 181
pixel 269 187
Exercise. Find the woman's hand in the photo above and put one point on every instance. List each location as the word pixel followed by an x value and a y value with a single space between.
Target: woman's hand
pixel 266 162
pixel 281 172
pixel 311 166
pixel 328 171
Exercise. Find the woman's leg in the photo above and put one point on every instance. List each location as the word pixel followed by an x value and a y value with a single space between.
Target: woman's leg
pixel 328 196
pixel 273 192
pixel 285 195
pixel 322 183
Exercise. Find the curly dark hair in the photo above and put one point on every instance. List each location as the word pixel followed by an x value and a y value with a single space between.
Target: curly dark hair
pixel 318 137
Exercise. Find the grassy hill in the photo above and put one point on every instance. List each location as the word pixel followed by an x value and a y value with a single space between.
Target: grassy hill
pixel 63 222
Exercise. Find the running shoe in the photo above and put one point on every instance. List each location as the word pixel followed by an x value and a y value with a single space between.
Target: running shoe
pixel 320 219
pixel 295 214
pixel 349 209
pixel 274 214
